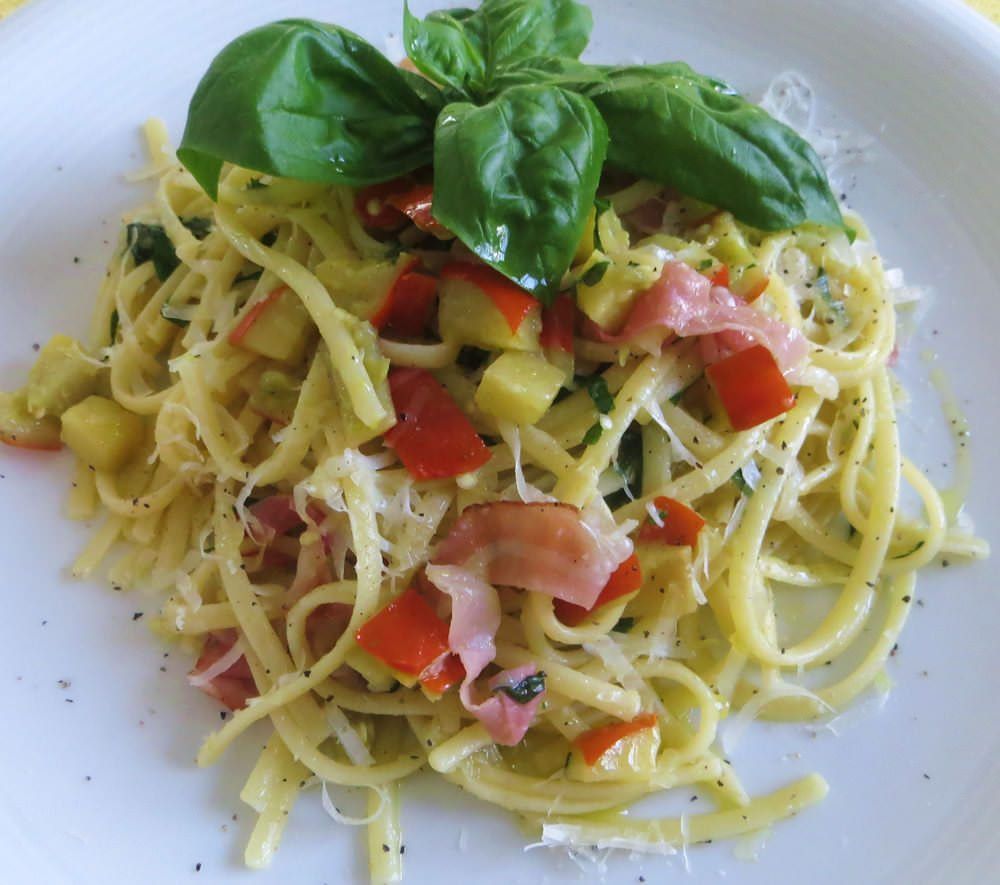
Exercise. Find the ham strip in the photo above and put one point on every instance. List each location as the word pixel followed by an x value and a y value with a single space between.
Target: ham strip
pixel 685 303
pixel 549 548
pixel 222 671
pixel 475 619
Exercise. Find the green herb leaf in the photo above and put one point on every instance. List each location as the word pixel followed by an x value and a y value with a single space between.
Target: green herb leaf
pixel 595 273
pixel 831 305
pixel 522 172
pixel 593 433
pixel 113 325
pixel 696 134
pixel 200 227
pixel 149 242
pixel 309 101
pixel 597 387
pixel 624 625
pixel 255 184
pixel 526 690
pixel 740 482
pixel 627 463
pixel 441 47
pixel 506 32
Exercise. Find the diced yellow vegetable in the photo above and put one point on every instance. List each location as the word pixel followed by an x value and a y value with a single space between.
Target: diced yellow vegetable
pixel 378 676
pixel 101 433
pixel 467 315
pixel 282 330
pixel 60 377
pixel 518 387
pixel 671 569
pixel 632 760
pixel 613 292
pixel 361 287
pixel 275 396
pixel 18 427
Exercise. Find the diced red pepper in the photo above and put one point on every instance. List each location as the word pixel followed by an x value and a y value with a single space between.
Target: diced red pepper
pixel 407 308
pixel 510 299
pixel 680 528
pixel 557 324
pixel 751 387
pixel 254 314
pixel 373 206
pixel 753 282
pixel 415 203
pixel 720 277
pixel 627 578
pixel 595 743
pixel 406 635
pixel 439 679
pixel 433 437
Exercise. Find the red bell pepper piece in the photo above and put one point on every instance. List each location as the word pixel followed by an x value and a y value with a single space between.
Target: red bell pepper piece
pixel 751 387
pixel 680 524
pixel 510 299
pixel 557 324
pixel 627 578
pixel 406 635
pixel 595 743
pixel 407 308
pixel 373 206
pixel 433 437
pixel 252 315
pixel 721 277
pixel 415 203
pixel 439 679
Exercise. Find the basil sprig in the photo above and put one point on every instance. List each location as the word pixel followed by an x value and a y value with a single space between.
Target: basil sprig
pixel 517 128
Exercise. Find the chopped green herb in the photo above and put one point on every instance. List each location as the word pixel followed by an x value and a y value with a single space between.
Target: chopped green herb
pixel 628 465
pixel 706 264
pixel 624 625
pixel 593 434
pixel 526 690
pixel 595 273
pixel 200 227
pixel 836 308
pixel 852 234
pixel 740 482
pixel 597 387
pixel 246 277
pixel 255 184
pixel 114 325
pixel 472 358
pixel 149 242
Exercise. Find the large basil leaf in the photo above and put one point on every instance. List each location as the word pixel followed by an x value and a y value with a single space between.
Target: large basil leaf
pixel 441 47
pixel 695 134
pixel 310 101
pixel 516 178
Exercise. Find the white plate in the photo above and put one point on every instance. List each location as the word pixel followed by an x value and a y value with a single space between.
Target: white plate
pixel 98 779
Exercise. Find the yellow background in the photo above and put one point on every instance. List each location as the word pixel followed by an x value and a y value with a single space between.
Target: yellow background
pixel 989 8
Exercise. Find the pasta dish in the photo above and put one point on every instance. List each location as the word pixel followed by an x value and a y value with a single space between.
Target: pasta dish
pixel 495 414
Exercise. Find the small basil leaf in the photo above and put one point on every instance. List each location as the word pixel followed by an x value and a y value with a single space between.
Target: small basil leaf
pixel 628 462
pixel 695 134
pixel 517 29
pixel 309 101
pixel 526 690
pixel 522 172
pixel 149 242
pixel 740 482
pixel 440 47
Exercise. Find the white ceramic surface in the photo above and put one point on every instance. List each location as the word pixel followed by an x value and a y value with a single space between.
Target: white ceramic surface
pixel 97 781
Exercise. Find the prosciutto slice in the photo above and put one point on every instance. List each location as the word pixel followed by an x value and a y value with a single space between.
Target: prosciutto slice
pixel 222 671
pixel 685 303
pixel 545 547
pixel 475 619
